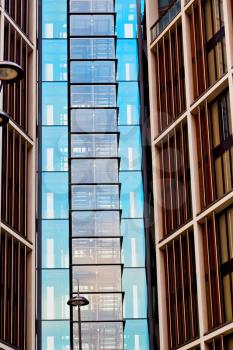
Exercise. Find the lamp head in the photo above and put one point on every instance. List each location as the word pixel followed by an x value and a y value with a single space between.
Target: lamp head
pixel 4 118
pixel 11 72
pixel 78 300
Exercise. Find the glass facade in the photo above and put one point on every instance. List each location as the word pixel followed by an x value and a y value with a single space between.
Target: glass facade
pixel 92 199
pixel 134 282
pixel 54 321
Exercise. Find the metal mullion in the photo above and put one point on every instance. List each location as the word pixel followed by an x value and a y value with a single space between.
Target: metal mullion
pixel 209 150
pixel 177 181
pixel 172 74
pixel 184 174
pixel 15 85
pixel 7 173
pixel 159 88
pixel 8 58
pixel 178 68
pixel 165 80
pixel 195 49
pixel 164 193
pixel 18 296
pixel 13 180
pixel 25 189
pixel 204 60
pixel 217 265
pixel 183 288
pixel 209 272
pixel 176 294
pixel 12 290
pixel 19 174
pixel 202 157
pixel 228 251
pixel 5 287
pixel 170 183
pixel 171 340
pixel 20 83
pixel 26 87
pixel 190 286
pixel 25 300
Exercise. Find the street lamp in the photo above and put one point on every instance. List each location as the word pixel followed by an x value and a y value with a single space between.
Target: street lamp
pixel 10 72
pixel 78 301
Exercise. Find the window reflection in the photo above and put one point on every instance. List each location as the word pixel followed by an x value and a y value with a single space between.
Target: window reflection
pixel 87 197
pixel 94 171
pixel 102 307
pixel 54 103
pixel 104 336
pixel 91 6
pixel 92 48
pixel 56 335
pixel 93 120
pixel 93 96
pixel 93 72
pixel 54 66
pixel 54 22
pixel 97 278
pixel 91 25
pixel 92 223
pixel 96 251
pixel 91 145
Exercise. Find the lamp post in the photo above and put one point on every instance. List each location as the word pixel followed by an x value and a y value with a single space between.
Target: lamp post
pixel 78 301
pixel 10 73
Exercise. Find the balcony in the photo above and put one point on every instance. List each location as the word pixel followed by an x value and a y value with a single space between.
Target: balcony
pixel 166 18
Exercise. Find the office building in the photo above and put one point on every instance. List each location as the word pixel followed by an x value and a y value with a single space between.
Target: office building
pixel 18 178
pixel 92 235
pixel 190 47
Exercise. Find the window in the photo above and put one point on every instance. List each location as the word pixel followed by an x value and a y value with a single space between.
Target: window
pixel 180 272
pixel 92 48
pixel 93 96
pixel 170 77
pixel 207 44
pixel 218 253
pixel 94 145
pixel 175 176
pixel 92 25
pixel 214 145
pixel 93 72
pixel 93 120
pixel 91 6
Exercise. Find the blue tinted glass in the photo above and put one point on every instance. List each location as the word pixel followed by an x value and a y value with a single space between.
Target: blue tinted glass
pixel 93 72
pixel 135 288
pixel 85 48
pixel 126 20
pixel 54 23
pixel 132 200
pixel 54 148
pixel 54 104
pixel 54 65
pixel 142 7
pixel 55 294
pixel 56 335
pixel 127 55
pixel 130 148
pixel 54 195
pixel 133 246
pixel 136 335
pixel 91 25
pixel 55 244
pixel 129 102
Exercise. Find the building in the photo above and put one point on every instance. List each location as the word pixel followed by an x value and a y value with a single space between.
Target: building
pixel 190 48
pixel 18 178
pixel 93 227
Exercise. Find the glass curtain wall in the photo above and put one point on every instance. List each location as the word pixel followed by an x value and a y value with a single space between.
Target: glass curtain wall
pixel 134 280
pixel 95 239
pixel 53 260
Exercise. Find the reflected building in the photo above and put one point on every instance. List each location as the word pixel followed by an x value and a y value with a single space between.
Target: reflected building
pixel 91 227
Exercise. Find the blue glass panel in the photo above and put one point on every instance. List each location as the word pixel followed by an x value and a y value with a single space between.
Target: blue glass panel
pixel 126 20
pixel 55 195
pixel 85 48
pixel 56 335
pixel 54 23
pixel 135 288
pixel 127 55
pixel 54 103
pixel 54 65
pixel 54 148
pixel 93 71
pixel 130 148
pixel 55 244
pixel 133 246
pixel 132 199
pixel 129 102
pixel 136 335
pixel 55 294
pixel 92 25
